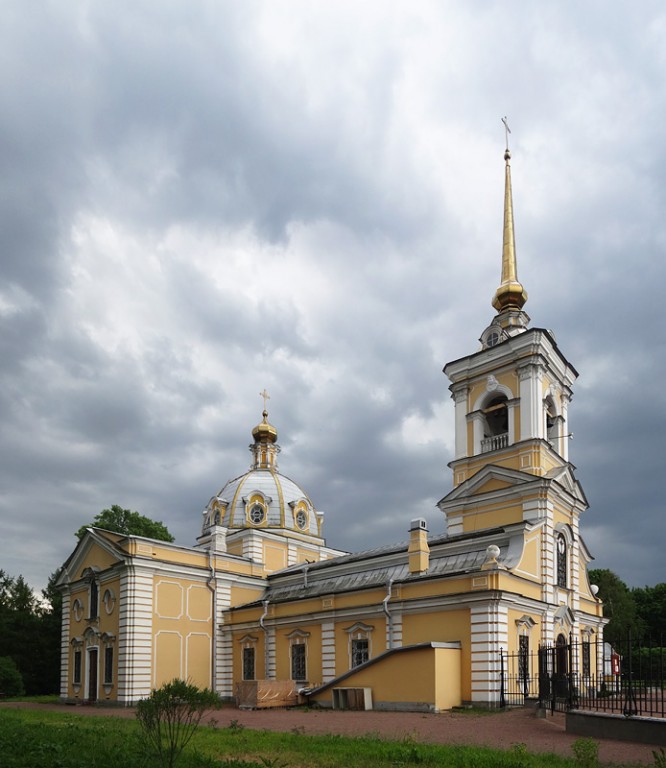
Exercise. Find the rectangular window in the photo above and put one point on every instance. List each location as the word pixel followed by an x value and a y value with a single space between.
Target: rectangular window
pixel 586 659
pixel 248 663
pixel 77 668
pixel 94 600
pixel 360 652
pixel 298 662
pixel 108 665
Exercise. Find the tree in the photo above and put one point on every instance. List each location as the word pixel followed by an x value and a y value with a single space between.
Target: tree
pixel 11 682
pixel 170 716
pixel 51 628
pixel 21 636
pixel 128 523
pixel 651 608
pixel 619 606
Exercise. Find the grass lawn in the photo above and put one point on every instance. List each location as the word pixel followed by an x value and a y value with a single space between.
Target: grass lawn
pixel 36 739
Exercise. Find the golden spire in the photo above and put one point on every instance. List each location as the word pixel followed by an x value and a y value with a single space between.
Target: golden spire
pixel 510 295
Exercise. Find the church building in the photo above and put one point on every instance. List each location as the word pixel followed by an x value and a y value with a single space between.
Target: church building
pixel 263 611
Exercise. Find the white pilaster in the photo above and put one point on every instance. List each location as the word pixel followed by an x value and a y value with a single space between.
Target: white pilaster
pixel 135 675
pixel 223 661
pixel 488 635
pixel 327 651
pixel 65 647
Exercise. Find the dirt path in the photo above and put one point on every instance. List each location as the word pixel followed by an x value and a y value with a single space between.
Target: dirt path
pixel 501 729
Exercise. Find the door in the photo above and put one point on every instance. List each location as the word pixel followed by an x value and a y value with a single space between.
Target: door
pixel 561 667
pixel 92 675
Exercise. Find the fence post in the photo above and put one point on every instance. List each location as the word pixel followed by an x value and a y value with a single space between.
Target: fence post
pixel 502 701
pixel 570 674
pixel 630 709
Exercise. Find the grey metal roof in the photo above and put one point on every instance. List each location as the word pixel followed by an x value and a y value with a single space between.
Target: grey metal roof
pixel 372 568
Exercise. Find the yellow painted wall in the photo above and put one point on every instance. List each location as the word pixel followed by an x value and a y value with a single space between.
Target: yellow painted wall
pixel 275 556
pixel 493 484
pixel 423 677
pixel 514 630
pixel 443 626
pixel 97 557
pixel 182 628
pixel 107 622
pixel 448 677
pixel 530 562
pixel 241 595
pixel 235 548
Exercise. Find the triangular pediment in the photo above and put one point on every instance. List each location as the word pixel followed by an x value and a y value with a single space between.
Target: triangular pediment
pixel 565 477
pixel 490 479
pixel 564 617
pixel 495 479
pixel 95 552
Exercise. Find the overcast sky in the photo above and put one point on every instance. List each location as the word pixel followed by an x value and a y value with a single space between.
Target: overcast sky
pixel 202 199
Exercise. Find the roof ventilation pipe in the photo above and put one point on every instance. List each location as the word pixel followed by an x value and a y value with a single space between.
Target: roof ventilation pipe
pixel 267 656
pixel 389 617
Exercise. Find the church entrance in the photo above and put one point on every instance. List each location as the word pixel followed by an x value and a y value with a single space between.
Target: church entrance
pixel 92 675
pixel 561 666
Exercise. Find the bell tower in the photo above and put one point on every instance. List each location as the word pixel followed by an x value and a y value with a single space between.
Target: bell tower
pixel 511 469
pixel 512 396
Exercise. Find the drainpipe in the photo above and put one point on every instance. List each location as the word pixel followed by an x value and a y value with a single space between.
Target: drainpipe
pixel 389 617
pixel 305 575
pixel 213 588
pixel 266 652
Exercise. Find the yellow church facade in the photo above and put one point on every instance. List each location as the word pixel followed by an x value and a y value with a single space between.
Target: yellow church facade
pixel 262 607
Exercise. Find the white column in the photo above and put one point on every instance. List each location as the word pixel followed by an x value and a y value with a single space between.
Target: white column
pixel 459 396
pixel 532 423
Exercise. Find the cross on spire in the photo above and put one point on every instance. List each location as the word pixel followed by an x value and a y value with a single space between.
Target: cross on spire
pixel 507 131
pixel 266 396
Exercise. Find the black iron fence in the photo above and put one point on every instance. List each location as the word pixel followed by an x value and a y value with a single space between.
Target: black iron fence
pixel 626 678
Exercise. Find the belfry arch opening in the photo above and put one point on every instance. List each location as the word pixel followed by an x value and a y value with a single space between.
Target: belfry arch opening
pixel 552 421
pixel 495 423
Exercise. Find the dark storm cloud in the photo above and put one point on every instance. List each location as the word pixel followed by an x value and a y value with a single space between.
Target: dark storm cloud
pixel 202 201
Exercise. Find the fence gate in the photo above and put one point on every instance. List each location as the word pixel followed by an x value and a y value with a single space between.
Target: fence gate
pixel 627 678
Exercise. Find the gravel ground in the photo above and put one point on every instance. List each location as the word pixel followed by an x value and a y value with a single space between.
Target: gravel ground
pixel 500 729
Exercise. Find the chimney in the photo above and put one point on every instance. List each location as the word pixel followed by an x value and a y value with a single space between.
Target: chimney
pixel 418 550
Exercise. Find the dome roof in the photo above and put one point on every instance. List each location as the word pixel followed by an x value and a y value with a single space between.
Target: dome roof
pixel 262 498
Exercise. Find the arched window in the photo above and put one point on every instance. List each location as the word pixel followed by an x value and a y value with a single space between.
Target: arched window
pixel 497 416
pixel 94 600
pixel 561 560
pixel 551 420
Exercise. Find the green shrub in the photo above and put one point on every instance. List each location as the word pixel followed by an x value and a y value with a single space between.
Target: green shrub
pixel 11 682
pixel 170 716
pixel 586 752
pixel 659 758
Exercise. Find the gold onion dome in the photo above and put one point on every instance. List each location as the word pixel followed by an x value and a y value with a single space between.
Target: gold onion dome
pixel 510 295
pixel 264 432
